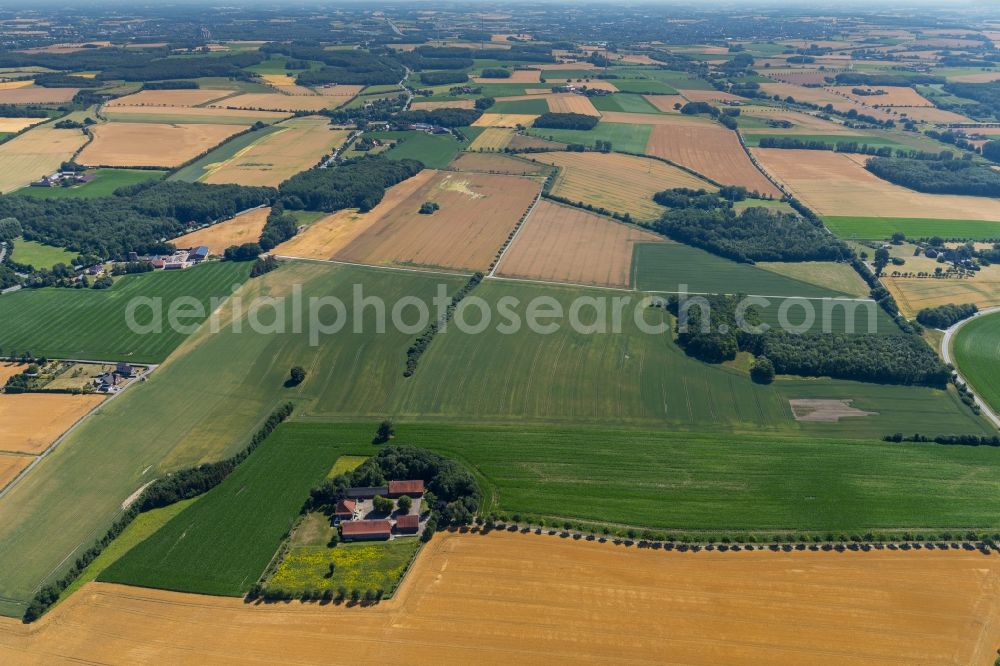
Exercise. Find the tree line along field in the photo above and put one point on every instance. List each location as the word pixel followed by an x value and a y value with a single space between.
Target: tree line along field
pixel 221 544
pixel 216 389
pixel 91 324
pixel 976 347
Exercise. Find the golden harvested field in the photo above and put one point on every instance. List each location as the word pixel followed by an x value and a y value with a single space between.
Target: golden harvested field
pixel 449 104
pixel 834 184
pixel 520 141
pixel 915 294
pixel 327 236
pixel 8 370
pixel 152 144
pixel 36 153
pixel 279 102
pixel 339 90
pixel 505 120
pixel 620 183
pixel 244 228
pixel 713 151
pixel 285 83
pixel 799 77
pixel 516 76
pixel 680 121
pixel 18 124
pixel 297 146
pixel 665 103
pixel 564 244
pixel 12 85
pixel 641 59
pixel 894 96
pixel 571 103
pixel 477 213
pixel 33 95
pixel 821 96
pixel 497 163
pixel 11 466
pixel 29 422
pixel 169 98
pixel 198 114
pixel 935 115
pixel 492 138
pixel 978 77
pixel 840 277
pixel 802 123
pixel 528 599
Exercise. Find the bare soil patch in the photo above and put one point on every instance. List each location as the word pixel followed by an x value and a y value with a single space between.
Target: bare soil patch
pixel 712 151
pixel 29 422
pixel 602 603
pixel 564 244
pixel 245 228
pixel 477 213
pixel 152 144
pixel 827 411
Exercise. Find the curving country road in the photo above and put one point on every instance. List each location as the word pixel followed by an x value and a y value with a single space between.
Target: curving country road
pixel 946 354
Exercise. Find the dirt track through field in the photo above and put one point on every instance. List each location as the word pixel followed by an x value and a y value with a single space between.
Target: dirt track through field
pixel 529 599
pixel 564 244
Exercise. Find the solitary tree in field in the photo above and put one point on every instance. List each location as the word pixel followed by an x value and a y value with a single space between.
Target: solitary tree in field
pixel 384 433
pixel 296 375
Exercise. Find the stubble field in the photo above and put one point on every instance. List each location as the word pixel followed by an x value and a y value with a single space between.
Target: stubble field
pixel 36 153
pixel 152 144
pixel 196 97
pixel 564 244
pixel 279 102
pixel 11 466
pixel 39 95
pixel 29 422
pixel 754 607
pixel 244 228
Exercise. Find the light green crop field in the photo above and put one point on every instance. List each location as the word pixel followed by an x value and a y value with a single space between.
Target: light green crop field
pixel 434 150
pixel 221 544
pixel 682 481
pixel 40 255
pixel 626 102
pixel 105 182
pixel 92 324
pixel 832 139
pixel 880 228
pixel 644 86
pixel 626 137
pixel 977 355
pixel 526 106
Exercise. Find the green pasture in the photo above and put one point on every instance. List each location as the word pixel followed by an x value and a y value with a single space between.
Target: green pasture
pixel 626 102
pixel 623 136
pixel 880 228
pixel 977 354
pixel 105 182
pixel 40 255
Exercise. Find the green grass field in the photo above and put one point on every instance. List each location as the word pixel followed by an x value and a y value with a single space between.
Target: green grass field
pixel 977 354
pixel 674 79
pixel 40 255
pixel 221 544
pixel 623 136
pixel 91 324
pixel 667 266
pixel 105 182
pixel 708 482
pixel 880 228
pixel 538 106
pixel 199 168
pixel 623 102
pixel 434 150
pixel 644 86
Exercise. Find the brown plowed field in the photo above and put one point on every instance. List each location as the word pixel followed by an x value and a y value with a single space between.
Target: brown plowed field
pixel 29 422
pixel 666 103
pixel 241 229
pixel 835 184
pixel 327 236
pixel 169 98
pixel 32 95
pixel 297 146
pixel 11 466
pixel 617 182
pixel 528 599
pixel 477 213
pixel 564 244
pixel 714 152
pixel 152 144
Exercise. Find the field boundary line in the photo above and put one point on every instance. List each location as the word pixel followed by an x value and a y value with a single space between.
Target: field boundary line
pixel 429 271
pixel 946 354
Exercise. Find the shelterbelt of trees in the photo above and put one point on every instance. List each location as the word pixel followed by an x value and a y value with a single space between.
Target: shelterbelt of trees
pixel 938 177
pixel 135 218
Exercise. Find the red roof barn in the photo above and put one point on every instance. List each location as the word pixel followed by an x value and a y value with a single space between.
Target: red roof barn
pixel 345 509
pixel 365 529
pixel 408 524
pixel 410 488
